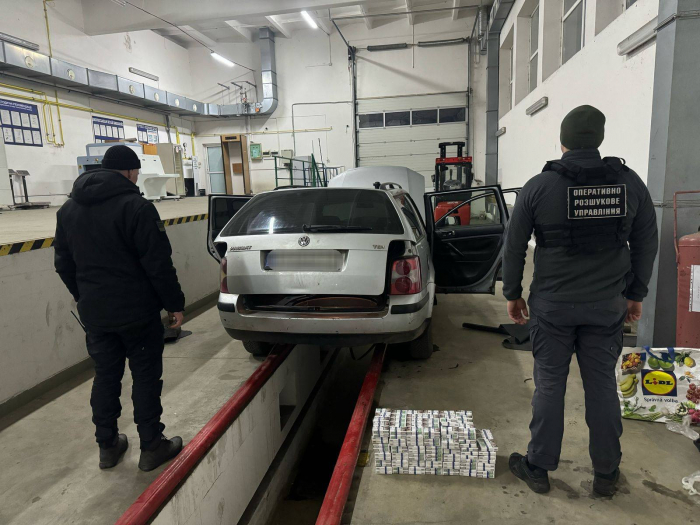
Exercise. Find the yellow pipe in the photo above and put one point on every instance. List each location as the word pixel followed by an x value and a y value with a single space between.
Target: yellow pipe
pixel 80 108
pixel 43 110
pixel 192 140
pixel 58 109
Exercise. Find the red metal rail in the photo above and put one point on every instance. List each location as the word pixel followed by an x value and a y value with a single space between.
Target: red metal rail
pixel 339 487
pixel 157 493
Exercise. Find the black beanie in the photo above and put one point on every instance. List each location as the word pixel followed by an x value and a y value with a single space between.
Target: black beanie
pixel 121 157
pixel 583 127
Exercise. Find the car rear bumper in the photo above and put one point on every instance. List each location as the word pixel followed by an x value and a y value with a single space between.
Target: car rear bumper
pixel 404 319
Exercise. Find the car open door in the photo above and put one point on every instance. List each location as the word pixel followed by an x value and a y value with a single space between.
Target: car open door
pixel 221 209
pixel 510 196
pixel 466 230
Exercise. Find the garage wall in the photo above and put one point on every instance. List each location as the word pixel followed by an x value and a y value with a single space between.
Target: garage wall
pixel 53 169
pixel 40 337
pixel 621 87
pixel 313 67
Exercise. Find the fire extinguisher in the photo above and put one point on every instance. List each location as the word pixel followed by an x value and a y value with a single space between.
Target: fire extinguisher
pixel 688 263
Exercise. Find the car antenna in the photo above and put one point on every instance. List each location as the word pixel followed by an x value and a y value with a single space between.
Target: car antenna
pixel 377 185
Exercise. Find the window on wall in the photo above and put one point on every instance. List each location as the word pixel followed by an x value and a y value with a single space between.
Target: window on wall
pixel 397 118
pixel 424 116
pixel 372 120
pixel 534 46
pixel 452 115
pixel 572 28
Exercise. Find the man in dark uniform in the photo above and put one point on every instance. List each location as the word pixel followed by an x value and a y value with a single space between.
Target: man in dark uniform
pixel 113 254
pixel 595 229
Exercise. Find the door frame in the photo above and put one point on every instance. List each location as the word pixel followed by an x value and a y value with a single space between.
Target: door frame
pixel 486 284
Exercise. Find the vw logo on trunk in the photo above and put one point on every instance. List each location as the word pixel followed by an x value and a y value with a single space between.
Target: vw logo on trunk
pixel 304 241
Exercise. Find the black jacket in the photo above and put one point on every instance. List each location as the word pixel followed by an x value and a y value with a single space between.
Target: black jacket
pixel 113 254
pixel 561 276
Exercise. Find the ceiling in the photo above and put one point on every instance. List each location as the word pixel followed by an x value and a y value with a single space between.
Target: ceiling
pixel 192 24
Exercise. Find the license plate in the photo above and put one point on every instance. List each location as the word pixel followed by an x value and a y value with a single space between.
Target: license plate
pixel 304 261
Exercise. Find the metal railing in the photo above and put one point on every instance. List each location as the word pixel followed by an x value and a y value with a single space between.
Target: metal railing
pixel 299 172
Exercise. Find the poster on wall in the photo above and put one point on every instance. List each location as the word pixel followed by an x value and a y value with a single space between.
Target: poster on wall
pixel 20 124
pixel 107 129
pixel 147 134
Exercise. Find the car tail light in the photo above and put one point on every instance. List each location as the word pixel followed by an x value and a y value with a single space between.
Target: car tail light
pixel 224 281
pixel 405 276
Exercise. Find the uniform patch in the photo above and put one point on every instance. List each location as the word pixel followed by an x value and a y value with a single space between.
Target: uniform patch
pixel 161 225
pixel 597 202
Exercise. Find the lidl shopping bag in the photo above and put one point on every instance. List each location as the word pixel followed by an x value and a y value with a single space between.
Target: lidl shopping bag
pixel 659 384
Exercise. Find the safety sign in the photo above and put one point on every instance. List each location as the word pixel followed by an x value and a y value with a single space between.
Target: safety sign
pixel 20 123
pixel 107 129
pixel 147 134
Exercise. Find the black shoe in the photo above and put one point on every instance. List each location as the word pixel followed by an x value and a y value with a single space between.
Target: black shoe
pixel 536 478
pixel 110 456
pixel 166 450
pixel 606 484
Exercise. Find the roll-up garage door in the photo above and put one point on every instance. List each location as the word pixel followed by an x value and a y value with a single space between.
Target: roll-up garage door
pixel 406 131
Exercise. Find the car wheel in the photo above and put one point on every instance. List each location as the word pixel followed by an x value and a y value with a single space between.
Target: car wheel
pixel 422 348
pixel 257 348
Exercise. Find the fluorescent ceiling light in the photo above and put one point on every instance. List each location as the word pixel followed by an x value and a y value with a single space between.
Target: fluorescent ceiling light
pixel 221 59
pixel 309 20
pixel 143 74
pixel 120 2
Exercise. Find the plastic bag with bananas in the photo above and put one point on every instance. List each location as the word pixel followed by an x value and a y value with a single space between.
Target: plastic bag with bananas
pixel 659 384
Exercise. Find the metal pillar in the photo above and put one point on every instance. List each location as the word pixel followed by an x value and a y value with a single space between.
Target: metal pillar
pixel 499 14
pixel 674 157
pixel 492 58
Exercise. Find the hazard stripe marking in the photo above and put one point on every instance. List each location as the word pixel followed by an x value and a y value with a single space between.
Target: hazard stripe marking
pixel 38 244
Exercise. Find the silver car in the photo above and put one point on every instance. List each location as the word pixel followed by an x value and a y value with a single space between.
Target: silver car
pixel 350 266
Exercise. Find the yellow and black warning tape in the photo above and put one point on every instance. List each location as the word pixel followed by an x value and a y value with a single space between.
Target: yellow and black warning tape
pixel 183 220
pixel 38 244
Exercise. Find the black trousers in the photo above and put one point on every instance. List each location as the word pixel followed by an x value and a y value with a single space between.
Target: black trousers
pixel 142 345
pixel 593 331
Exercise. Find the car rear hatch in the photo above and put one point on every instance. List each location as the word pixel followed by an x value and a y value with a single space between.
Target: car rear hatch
pixel 331 264
pixel 323 241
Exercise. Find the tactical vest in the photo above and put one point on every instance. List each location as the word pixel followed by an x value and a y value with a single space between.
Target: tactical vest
pixel 596 209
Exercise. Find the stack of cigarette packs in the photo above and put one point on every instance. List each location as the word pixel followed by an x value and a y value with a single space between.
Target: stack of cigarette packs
pixel 437 442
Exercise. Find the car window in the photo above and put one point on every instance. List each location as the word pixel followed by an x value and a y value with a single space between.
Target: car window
pixel 412 215
pixel 326 210
pixel 467 209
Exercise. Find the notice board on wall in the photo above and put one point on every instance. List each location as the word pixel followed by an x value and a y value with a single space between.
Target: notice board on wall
pixel 106 129
pixel 147 134
pixel 20 124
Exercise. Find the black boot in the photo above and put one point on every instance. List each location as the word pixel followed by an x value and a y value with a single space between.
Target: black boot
pixel 606 484
pixel 163 450
pixel 536 478
pixel 109 456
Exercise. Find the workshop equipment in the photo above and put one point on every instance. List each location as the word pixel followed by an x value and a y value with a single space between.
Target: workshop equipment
pixel 153 178
pixel 452 173
pixel 171 158
pixel 21 177
pixel 688 297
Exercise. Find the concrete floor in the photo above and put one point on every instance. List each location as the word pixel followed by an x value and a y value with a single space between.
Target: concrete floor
pixel 48 456
pixel 473 371
pixel 27 225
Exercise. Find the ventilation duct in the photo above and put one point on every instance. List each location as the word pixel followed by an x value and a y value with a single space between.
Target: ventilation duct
pixel 24 63
pixel 266 42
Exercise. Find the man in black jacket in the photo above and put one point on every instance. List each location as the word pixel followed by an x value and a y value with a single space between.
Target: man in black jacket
pixel 595 228
pixel 113 254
